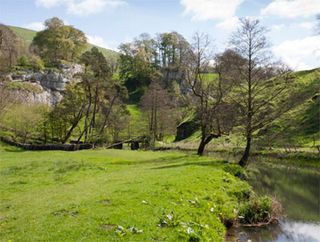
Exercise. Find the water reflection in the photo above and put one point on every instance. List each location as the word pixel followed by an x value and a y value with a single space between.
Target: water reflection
pixel 285 231
pixel 299 192
pixel 297 189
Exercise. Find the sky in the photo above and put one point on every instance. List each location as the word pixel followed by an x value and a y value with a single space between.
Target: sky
pixel 108 23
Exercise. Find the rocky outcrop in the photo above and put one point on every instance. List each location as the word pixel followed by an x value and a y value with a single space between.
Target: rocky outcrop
pixel 45 87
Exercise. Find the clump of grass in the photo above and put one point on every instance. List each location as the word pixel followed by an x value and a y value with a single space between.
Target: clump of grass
pixel 169 220
pixel 236 170
pixel 121 231
pixel 193 232
pixel 66 212
pixel 259 211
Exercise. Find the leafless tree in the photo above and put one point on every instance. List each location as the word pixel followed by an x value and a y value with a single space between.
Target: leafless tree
pixel 261 82
pixel 7 97
pixel 10 48
pixel 160 110
pixel 213 111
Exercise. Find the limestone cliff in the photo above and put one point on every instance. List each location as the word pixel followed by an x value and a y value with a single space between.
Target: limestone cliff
pixel 45 87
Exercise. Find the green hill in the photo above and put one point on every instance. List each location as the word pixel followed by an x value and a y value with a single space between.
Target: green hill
pixel 27 36
pixel 298 126
pixel 301 124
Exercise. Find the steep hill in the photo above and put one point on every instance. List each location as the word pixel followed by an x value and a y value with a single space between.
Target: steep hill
pixel 27 36
pixel 299 126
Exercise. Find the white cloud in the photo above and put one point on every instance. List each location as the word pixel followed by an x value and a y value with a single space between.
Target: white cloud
pixel 277 27
pixel 306 25
pixel 37 26
pixel 98 41
pixel 222 10
pixel 49 3
pixel 228 24
pixel 292 8
pixel 300 54
pixel 81 7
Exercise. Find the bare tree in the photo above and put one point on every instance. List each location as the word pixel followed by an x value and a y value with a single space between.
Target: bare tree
pixel 261 83
pixel 213 112
pixel 159 108
pixel 10 48
pixel 7 97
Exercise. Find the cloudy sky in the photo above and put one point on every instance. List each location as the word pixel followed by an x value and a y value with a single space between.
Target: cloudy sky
pixel 110 22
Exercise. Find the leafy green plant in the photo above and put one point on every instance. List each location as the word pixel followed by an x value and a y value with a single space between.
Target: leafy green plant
pixel 257 210
pixel 168 220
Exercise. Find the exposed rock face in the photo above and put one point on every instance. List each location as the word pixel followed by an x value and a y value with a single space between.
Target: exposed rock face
pixel 43 87
pixel 45 97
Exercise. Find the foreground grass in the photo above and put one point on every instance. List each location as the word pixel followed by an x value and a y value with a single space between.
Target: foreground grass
pixel 111 195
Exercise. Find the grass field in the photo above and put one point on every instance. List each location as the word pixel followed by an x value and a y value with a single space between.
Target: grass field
pixel 113 195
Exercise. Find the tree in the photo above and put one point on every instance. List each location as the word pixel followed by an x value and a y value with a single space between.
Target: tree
pixel 261 83
pixel 58 42
pixel 136 68
pixel 24 121
pixel 10 48
pixel 65 118
pixel 102 94
pixel 213 112
pixel 167 53
pixel 7 98
pixel 173 52
pixel 88 104
pixel 159 108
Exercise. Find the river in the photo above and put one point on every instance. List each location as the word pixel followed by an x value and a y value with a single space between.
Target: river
pixel 298 190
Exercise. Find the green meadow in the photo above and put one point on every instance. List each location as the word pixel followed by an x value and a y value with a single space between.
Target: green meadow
pixel 115 195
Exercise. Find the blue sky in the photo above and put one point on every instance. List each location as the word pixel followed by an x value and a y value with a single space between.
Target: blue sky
pixel 110 22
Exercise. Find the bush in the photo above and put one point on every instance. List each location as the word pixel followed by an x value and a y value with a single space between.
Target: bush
pixel 32 62
pixel 36 63
pixel 256 210
pixel 23 61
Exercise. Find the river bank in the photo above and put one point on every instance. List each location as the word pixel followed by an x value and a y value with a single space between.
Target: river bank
pixel 293 179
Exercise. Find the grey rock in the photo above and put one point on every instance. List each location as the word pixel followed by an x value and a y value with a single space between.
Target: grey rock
pixel 51 83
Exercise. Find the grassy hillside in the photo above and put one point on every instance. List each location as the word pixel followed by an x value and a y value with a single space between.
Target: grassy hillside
pixel 27 36
pixel 298 126
pixel 113 195
pixel 301 124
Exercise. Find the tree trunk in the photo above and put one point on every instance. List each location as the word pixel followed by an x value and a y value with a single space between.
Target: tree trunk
pixel 201 147
pixel 205 141
pixel 244 159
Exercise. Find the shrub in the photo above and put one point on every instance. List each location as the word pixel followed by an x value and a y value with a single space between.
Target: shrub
pixel 31 62
pixel 36 63
pixel 23 61
pixel 256 210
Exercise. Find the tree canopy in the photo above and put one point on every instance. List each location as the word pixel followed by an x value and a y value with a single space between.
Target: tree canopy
pixel 58 42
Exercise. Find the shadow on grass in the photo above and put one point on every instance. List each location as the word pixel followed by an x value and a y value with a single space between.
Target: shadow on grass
pixel 214 163
pixel 14 150
pixel 151 161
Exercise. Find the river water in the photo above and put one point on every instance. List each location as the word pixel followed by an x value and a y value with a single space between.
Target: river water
pixel 298 190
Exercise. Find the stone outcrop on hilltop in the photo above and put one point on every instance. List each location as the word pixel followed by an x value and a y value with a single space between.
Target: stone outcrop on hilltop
pixel 44 87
